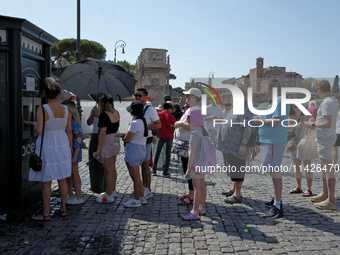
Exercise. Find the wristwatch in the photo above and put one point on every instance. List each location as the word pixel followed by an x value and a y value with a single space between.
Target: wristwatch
pixel 243 144
pixel 313 125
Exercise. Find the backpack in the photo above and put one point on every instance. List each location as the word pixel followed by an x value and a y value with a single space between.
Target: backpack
pixel 254 137
pixel 155 132
pixel 207 160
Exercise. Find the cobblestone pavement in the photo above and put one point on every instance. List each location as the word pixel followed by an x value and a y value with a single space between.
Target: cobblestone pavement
pixel 156 228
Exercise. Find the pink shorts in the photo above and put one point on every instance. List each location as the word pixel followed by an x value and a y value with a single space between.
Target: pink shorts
pixel 109 147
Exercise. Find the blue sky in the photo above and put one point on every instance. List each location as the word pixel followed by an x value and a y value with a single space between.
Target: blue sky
pixel 223 36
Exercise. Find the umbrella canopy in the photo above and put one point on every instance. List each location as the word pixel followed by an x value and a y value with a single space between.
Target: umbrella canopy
pixel 91 75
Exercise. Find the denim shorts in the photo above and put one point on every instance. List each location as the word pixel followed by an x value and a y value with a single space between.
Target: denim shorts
pixel 134 154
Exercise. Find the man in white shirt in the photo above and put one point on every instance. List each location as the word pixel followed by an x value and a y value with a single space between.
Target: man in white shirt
pixel 153 122
pixel 325 125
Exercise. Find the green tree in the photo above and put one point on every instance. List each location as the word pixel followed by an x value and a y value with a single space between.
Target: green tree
pixel 66 49
pixel 307 84
pixel 129 68
pixel 178 90
pixel 172 76
pixel 335 88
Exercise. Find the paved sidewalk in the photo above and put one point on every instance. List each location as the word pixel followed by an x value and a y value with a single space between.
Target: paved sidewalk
pixel 156 228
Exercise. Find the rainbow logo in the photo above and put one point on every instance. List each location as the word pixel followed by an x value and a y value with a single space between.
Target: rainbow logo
pixel 208 92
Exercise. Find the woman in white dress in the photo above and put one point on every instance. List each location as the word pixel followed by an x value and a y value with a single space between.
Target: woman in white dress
pixel 56 149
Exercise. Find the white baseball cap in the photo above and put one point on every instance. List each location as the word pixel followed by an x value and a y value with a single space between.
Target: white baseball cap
pixel 193 91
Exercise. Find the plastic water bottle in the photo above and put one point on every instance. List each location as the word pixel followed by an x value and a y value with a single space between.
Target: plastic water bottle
pixel 117 141
pixel 99 158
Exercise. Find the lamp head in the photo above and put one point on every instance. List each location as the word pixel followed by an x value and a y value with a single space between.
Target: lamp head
pixel 123 52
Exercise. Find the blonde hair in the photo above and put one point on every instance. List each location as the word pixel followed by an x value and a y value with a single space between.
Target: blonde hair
pixel 106 103
pixel 52 88
pixel 71 106
pixel 323 85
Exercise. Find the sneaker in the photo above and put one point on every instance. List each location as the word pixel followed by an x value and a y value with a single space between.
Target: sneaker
pixel 191 216
pixel 274 212
pixel 148 194
pixel 228 193
pixel 326 205
pixel 233 199
pixel 319 198
pixel 143 200
pixel 167 174
pixel 202 211
pixel 67 198
pixel 74 201
pixel 133 203
pixel 105 198
pixel 269 204
pixel 114 193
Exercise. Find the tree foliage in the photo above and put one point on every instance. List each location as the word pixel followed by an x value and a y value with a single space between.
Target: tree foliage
pixel 129 68
pixel 66 49
pixel 172 76
pixel 308 84
pixel 179 90
pixel 335 88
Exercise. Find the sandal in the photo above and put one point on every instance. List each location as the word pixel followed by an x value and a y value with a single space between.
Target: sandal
pixel 191 216
pixel 307 193
pixel 41 217
pixel 61 213
pixel 295 191
pixel 183 197
pixel 186 201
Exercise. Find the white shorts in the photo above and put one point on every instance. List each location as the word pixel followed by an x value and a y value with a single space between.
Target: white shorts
pixel 325 146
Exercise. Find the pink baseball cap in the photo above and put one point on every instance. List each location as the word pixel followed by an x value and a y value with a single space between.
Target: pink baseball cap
pixel 195 115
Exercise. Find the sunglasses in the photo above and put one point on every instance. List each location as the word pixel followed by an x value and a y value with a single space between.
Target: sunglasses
pixel 138 95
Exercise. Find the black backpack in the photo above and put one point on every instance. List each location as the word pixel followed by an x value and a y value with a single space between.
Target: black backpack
pixel 254 137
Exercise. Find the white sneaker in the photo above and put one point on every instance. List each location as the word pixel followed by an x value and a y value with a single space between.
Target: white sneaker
pixel 147 193
pixel 143 200
pixel 68 197
pixel 114 193
pixel 105 198
pixel 133 203
pixel 74 201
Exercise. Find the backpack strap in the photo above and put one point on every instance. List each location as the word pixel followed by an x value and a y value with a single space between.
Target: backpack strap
pixel 144 111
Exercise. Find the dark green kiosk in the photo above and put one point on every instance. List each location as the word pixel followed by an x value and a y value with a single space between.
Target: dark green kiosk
pixel 25 61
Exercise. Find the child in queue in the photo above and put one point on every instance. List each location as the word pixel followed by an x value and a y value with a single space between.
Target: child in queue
pixel 135 150
pixel 202 153
pixel 77 143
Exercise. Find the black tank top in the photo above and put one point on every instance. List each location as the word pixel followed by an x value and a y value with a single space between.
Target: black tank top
pixel 104 121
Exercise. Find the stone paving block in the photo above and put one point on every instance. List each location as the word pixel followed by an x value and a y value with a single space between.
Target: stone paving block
pixel 157 228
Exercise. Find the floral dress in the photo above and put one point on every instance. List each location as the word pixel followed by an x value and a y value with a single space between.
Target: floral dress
pixel 77 140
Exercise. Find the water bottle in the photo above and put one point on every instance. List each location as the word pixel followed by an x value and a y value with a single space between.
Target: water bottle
pixel 99 158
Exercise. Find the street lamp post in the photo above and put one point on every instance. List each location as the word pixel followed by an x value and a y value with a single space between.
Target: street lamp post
pixel 78 51
pixel 122 45
pixel 211 76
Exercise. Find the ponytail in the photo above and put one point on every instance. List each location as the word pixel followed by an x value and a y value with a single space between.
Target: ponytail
pixel 145 126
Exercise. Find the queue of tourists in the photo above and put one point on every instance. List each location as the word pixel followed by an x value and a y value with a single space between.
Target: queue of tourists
pixel 189 135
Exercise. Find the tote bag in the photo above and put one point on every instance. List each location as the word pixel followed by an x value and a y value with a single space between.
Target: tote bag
pixel 307 147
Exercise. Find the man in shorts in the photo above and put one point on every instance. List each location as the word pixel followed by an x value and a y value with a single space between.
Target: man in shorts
pixel 153 122
pixel 325 125
pixel 273 138
pixel 337 141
